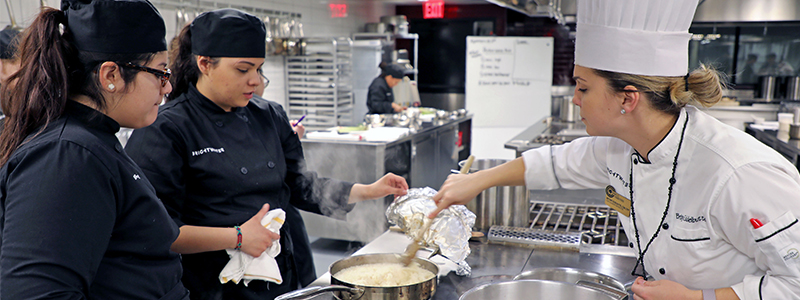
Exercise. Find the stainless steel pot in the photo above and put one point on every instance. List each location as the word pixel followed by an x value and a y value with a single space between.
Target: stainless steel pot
pixel 347 291
pixel 568 112
pixel 534 290
pixel 794 131
pixel 500 205
pixel 576 276
pixel 793 88
pixel 766 87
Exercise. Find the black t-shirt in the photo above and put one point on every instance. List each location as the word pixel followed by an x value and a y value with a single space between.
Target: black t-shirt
pixel 217 168
pixel 80 219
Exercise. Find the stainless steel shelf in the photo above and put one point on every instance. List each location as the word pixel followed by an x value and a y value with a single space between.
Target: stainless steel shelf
pixel 319 84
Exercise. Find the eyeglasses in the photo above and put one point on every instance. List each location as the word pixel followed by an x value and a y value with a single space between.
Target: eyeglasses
pixel 162 75
pixel 266 80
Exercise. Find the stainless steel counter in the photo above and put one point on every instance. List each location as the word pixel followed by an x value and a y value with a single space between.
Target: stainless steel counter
pixel 546 131
pixel 789 148
pixel 496 262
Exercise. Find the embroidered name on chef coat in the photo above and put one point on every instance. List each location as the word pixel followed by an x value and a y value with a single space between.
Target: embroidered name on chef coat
pixel 207 150
pixel 689 219
pixel 617 176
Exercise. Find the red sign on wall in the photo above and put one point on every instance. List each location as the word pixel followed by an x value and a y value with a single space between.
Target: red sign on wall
pixel 338 10
pixel 433 10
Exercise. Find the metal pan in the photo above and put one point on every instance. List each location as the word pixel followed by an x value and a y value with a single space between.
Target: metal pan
pixel 534 290
pixel 604 283
pixel 347 291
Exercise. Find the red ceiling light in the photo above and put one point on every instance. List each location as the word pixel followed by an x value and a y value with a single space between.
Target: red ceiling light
pixel 338 10
pixel 433 9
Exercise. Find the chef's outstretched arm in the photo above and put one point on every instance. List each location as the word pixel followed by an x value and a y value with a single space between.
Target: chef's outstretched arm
pixel 460 189
pixel 670 290
pixel 389 184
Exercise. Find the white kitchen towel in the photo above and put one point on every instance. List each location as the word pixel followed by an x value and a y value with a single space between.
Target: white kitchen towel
pixel 244 266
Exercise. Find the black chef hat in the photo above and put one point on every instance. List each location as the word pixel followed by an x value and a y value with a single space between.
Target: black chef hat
pixel 395 70
pixel 228 33
pixel 8 42
pixel 115 26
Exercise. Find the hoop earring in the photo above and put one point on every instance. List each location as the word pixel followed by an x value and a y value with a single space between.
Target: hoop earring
pixel 111 86
pixel 622 111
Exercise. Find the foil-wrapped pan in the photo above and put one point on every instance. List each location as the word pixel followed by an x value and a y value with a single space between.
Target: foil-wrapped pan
pixel 450 231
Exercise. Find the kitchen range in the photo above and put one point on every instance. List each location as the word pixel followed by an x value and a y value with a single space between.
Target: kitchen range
pixel 584 237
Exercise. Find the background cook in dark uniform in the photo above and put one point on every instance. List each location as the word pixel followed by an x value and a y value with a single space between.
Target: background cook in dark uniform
pixel 217 155
pixel 79 219
pixel 9 63
pixel 380 99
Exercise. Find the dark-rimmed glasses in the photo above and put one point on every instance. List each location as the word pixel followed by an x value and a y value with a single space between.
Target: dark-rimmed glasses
pixel 162 75
pixel 266 80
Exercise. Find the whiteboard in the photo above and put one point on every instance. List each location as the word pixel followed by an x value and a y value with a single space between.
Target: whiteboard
pixel 508 80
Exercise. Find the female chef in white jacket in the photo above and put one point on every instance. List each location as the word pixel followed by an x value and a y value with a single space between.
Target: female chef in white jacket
pixel 686 185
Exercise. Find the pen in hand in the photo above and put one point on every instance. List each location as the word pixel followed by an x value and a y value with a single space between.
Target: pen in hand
pixel 298 121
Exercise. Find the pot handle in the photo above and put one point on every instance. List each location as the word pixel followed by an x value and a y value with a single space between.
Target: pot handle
pixel 312 291
pixel 617 294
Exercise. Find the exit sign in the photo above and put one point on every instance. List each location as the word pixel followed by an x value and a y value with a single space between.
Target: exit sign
pixel 338 10
pixel 433 10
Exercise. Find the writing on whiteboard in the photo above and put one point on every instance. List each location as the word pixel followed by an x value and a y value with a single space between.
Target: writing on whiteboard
pixel 497 65
pixel 509 79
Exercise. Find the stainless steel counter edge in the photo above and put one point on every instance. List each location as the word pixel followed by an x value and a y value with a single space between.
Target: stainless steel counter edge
pixel 522 141
pixel 408 137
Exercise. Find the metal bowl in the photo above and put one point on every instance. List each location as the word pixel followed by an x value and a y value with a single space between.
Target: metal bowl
pixel 571 275
pixel 534 289
pixel 441 114
pixel 401 120
pixel 375 120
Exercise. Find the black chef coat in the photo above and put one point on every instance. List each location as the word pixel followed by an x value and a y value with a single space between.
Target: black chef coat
pixel 379 97
pixel 217 168
pixel 80 220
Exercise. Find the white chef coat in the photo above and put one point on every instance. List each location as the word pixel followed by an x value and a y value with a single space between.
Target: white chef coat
pixel 724 177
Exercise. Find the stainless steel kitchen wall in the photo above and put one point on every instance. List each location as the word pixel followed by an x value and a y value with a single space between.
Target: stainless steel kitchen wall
pixel 747 10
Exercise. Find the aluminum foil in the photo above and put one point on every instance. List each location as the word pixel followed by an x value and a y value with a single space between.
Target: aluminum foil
pixel 450 231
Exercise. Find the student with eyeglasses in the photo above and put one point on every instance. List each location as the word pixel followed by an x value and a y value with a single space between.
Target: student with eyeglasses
pixel 220 158
pixel 78 218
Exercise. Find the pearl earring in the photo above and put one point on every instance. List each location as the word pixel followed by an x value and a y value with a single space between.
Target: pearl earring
pixel 111 86
pixel 622 111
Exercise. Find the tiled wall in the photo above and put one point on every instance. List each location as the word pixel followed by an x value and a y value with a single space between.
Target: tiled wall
pixel 315 16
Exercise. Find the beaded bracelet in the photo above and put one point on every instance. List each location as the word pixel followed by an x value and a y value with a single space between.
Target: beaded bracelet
pixel 238 238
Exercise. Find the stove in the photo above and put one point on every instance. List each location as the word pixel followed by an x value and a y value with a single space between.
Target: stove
pixel 585 228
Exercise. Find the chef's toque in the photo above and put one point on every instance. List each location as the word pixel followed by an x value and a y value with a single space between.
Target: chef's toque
pixel 642 37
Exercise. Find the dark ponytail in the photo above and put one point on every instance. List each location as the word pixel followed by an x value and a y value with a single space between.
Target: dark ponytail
pixel 183 64
pixel 37 93
pixel 184 69
pixel 51 71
